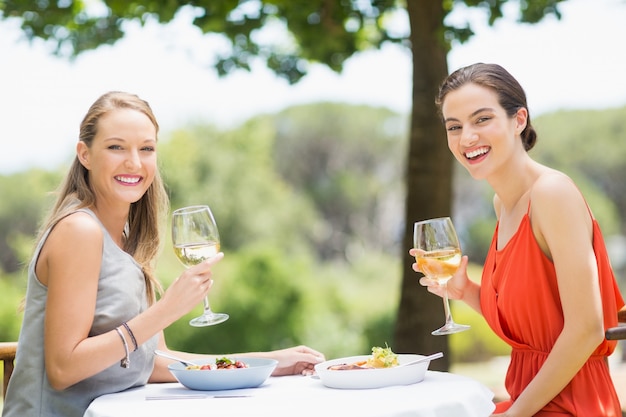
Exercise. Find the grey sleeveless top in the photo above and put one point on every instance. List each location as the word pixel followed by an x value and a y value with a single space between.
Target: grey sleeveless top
pixel 121 296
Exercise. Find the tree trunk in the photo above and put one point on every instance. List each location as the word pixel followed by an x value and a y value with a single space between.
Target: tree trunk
pixel 428 178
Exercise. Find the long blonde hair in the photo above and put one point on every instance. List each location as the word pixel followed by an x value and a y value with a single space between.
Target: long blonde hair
pixel 144 218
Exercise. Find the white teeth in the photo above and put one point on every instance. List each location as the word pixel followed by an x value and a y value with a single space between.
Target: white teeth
pixel 477 152
pixel 128 180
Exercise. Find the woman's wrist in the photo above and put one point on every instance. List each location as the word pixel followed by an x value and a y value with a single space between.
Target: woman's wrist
pixel 471 295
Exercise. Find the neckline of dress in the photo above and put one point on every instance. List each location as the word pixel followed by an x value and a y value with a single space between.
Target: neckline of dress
pixel 513 237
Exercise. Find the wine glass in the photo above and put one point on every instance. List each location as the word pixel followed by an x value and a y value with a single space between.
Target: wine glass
pixel 196 239
pixel 438 255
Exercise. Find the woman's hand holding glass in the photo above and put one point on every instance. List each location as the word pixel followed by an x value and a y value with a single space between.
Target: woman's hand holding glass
pixel 455 286
pixel 191 287
pixel 437 251
pixel 196 240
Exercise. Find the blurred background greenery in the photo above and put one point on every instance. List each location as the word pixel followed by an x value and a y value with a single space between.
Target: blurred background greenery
pixel 309 203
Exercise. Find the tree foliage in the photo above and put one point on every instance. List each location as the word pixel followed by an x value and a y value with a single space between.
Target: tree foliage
pixel 23 196
pixel 233 172
pixel 349 167
pixel 323 31
pixel 316 31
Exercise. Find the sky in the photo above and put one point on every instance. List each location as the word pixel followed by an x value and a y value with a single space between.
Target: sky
pixel 577 62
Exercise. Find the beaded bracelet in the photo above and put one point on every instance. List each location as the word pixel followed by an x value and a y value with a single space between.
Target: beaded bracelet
pixel 132 336
pixel 125 362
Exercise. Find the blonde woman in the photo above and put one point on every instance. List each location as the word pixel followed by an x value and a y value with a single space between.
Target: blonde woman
pixel 91 284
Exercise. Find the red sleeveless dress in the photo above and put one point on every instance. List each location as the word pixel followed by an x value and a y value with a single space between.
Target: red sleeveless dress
pixel 520 301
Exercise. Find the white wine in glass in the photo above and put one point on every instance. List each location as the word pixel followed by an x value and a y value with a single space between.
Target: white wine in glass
pixel 438 256
pixel 196 239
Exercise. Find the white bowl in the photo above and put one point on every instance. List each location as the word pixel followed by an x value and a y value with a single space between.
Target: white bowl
pixel 371 378
pixel 259 369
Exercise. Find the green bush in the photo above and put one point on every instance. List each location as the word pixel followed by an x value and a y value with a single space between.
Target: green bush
pixel 12 291
pixel 264 297
pixel 276 301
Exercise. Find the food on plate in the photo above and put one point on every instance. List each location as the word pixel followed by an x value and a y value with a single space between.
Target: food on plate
pixel 381 358
pixel 349 366
pixel 220 363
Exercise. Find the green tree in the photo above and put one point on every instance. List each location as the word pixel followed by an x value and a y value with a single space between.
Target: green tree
pixel 233 172
pixel 348 166
pixel 25 197
pixel 321 31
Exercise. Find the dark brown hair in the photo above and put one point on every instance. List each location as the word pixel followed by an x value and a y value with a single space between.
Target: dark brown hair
pixel 511 95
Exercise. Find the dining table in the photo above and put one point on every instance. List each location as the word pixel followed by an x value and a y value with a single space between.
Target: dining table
pixel 439 394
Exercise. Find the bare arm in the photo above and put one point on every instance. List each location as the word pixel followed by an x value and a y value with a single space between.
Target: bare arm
pixel 291 361
pixel 71 355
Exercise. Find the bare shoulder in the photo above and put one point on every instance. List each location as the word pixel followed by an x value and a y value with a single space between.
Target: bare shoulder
pixel 558 208
pixel 555 190
pixel 78 226
pixel 77 233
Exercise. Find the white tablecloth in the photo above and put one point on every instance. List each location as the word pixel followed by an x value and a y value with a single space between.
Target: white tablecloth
pixel 440 394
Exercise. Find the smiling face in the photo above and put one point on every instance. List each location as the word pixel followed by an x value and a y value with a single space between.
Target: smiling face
pixel 122 159
pixel 481 136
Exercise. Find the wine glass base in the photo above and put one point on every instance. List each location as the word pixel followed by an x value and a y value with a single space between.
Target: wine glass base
pixel 209 319
pixel 450 328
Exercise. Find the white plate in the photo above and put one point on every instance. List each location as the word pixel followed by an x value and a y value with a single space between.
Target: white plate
pixel 371 378
pixel 224 379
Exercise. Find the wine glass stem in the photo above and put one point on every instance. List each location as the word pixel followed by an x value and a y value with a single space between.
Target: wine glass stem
pixel 446 305
pixel 207 306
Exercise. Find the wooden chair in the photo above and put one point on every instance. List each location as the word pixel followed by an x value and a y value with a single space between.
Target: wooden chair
pixel 7 356
pixel 619 332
